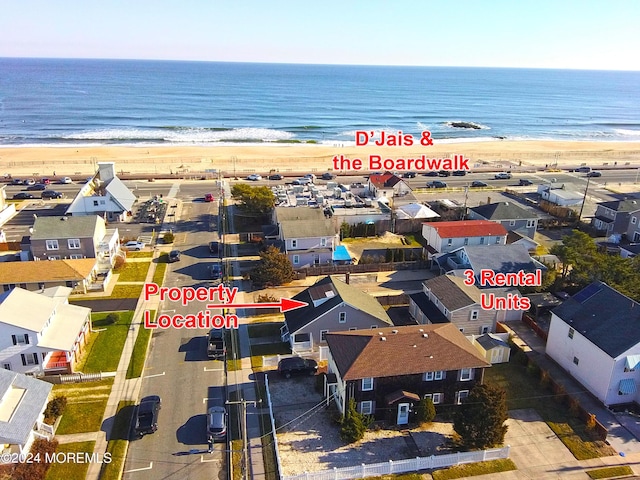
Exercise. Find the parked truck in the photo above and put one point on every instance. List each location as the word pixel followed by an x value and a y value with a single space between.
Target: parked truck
pixel 216 347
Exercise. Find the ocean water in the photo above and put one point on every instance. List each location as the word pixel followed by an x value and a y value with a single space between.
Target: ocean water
pixel 94 102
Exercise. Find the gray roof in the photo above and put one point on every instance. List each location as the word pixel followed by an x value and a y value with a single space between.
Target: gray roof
pixel 335 292
pixel 307 229
pixel 34 399
pixel 622 205
pixel 121 194
pixel 606 317
pixel 489 341
pixel 46 228
pixel 501 258
pixel 452 292
pixel 428 308
pixel 503 211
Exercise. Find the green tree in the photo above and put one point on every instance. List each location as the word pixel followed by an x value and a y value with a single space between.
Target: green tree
pixel 274 268
pixel 579 256
pixel 480 419
pixel 353 424
pixel 254 200
pixel 425 411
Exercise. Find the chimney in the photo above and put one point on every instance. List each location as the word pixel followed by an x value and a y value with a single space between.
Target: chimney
pixel 346 278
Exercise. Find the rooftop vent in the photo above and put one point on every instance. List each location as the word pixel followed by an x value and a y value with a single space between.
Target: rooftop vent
pixel 394 331
pixel 415 346
pixel 421 329
pixel 383 339
pixel 64 219
pixel 424 335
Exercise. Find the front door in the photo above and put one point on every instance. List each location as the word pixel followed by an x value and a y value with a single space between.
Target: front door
pixel 403 414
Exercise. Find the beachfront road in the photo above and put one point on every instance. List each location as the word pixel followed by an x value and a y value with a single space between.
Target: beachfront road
pixel 179 371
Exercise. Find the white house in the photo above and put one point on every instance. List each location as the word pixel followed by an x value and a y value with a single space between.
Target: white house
pixel 595 337
pixel 41 333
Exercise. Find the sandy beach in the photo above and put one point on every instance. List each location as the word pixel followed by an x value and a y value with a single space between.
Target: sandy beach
pixel 301 158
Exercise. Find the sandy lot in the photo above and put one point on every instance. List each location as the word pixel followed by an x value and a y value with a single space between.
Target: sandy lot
pixel 309 437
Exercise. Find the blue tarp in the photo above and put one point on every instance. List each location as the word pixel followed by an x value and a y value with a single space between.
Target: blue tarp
pixel 340 254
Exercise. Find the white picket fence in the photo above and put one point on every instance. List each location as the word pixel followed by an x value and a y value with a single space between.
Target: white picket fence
pixel 401 466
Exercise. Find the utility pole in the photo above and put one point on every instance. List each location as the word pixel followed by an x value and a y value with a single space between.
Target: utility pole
pixel 584 199
pixel 466 197
pixel 245 440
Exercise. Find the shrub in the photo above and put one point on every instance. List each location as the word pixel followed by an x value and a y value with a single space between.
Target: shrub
pixel 425 411
pixel 55 407
pixel 120 260
pixel 354 424
pixel 41 449
pixel 168 237
pixel 112 318
pixel 591 422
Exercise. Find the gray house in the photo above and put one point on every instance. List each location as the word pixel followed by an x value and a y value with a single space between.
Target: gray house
pixel 333 306
pixel 615 217
pixel 309 237
pixel 512 217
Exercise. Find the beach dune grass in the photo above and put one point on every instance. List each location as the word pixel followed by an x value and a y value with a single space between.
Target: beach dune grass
pixel 104 348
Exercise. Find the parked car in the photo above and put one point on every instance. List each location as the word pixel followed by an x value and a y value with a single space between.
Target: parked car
pixel 29 181
pixel 22 196
pixel 254 177
pixel 37 186
pixel 208 197
pixel 444 173
pixel 133 245
pixel 583 169
pixel 502 176
pixel 297 366
pixel 478 184
pixel 67 180
pixel 45 181
pixel 174 256
pixel 147 416
pixel 214 247
pixel 459 173
pixel 302 181
pixel 215 272
pixel 524 182
pixel 594 173
pixel 327 176
pixel 49 194
pixel 276 176
pixel 16 181
pixel 431 173
pixel 216 347
pixel 216 424
pixel 436 184
pixel 409 175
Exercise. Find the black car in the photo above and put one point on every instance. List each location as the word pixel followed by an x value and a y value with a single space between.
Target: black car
pixel 37 186
pixel 436 184
pixel 431 173
pixel 479 184
pixel 444 173
pixel 16 181
pixel 594 173
pixel 459 173
pixel 51 194
pixel 22 196
pixel 297 366
pixel 276 176
pixel 327 176
pixel 524 182
pixel 215 272
pixel 214 247
pixel 409 175
pixel 174 256
pixel 147 417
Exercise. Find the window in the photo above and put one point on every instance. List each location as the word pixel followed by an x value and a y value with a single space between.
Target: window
pixel 352 328
pixel 323 335
pixel 342 317
pixel 374 326
pixel 429 376
pixel 531 223
pixel 323 242
pixel 466 241
pixel 29 359
pixel 498 240
pixel 449 242
pixel 20 339
pixel 435 397
pixel 103 202
pixel 512 223
pixel 481 240
pixel 366 408
pixel 76 257
pixel 95 203
pixel 73 243
pixel 367 384
pixel 445 311
pixel 571 332
pixel 54 257
pixel 52 244
pixel 633 220
pixel 576 360
pixel 484 329
pixel 6 366
pixel 294 243
pixel 466 374
pixel 461 395
pixel 296 259
pixel 475 314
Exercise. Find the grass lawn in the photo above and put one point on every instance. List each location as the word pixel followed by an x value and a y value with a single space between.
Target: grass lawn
pixel 102 352
pixel 117 446
pixel 67 470
pixel 133 271
pixel 472 469
pixel 524 391
pixel 271 329
pixel 139 254
pixel 85 405
pixel 400 476
pixel 158 275
pixel 140 350
pixel 609 472
pixel 126 291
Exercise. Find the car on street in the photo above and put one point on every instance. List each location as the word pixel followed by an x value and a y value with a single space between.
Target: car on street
pixel 327 176
pixel 50 194
pixel 208 197
pixel 478 184
pixel 444 173
pixel 524 182
pixel 409 175
pixel 216 345
pixel 459 173
pixel 37 186
pixel 297 366
pixel 431 173
pixel 66 180
pixel 275 176
pixel 594 173
pixel 502 176
pixel 46 181
pixel 215 272
pixel 214 247
pixel 22 196
pixel 254 177
pixel 133 245
pixel 147 415
pixel 436 184
pixel 29 181
pixel 174 256
pixel 16 181
pixel 582 169
pixel 302 181
pixel 216 424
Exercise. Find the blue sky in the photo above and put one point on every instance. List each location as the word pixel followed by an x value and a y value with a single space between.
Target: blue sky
pixel 584 34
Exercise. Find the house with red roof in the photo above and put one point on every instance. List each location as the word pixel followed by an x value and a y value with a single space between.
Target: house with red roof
pixel 445 237
pixel 387 185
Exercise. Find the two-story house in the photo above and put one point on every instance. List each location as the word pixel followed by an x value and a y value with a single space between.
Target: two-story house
pixel 387 185
pixel 615 217
pixel 445 237
pixel 447 299
pixel 333 306
pixel 595 337
pixel 104 195
pixel 309 237
pixel 41 333
pixel 511 216
pixel 388 370
pixel 57 238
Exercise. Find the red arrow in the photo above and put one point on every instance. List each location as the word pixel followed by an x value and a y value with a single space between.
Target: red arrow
pixel 285 304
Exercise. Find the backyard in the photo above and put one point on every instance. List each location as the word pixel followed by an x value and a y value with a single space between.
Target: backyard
pixel 86 403
pixel 104 347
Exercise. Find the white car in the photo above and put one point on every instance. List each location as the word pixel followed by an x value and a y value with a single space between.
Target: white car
pixel 66 180
pixel 254 177
pixel 133 246
pixel 502 176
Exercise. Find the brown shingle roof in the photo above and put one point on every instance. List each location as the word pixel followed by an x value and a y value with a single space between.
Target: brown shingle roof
pixel 45 271
pixel 411 350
